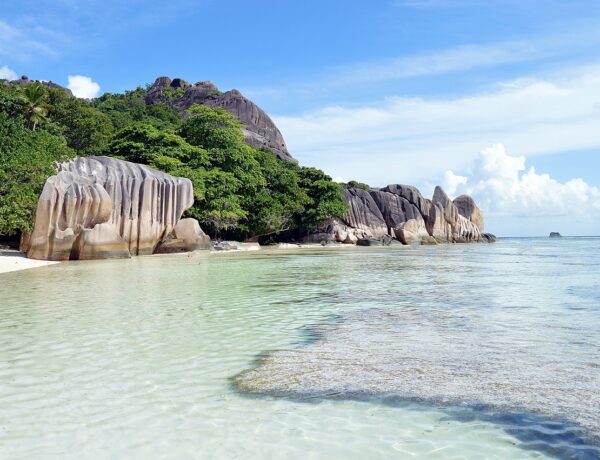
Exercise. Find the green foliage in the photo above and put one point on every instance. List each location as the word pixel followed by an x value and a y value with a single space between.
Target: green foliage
pixel 212 128
pixel 130 107
pixel 273 208
pixel 357 184
pixel 239 191
pixel 141 143
pixel 326 198
pixel 27 158
pixel 36 106
pixel 86 129
pixel 12 101
pixel 172 93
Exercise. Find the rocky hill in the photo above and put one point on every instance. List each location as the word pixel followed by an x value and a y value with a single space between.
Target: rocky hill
pixel 259 131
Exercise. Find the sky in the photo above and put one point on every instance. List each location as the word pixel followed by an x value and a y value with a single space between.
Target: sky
pixel 496 98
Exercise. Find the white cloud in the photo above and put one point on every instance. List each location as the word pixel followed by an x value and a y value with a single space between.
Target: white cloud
pixel 413 139
pixel 7 73
pixel 83 87
pixel 503 186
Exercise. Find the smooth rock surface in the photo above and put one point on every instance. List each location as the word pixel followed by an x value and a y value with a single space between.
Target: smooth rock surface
pixel 101 207
pixel 466 207
pixel 186 236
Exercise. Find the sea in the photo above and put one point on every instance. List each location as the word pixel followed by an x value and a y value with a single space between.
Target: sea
pixel 458 351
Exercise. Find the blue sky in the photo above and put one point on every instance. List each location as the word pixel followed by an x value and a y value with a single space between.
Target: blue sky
pixel 414 91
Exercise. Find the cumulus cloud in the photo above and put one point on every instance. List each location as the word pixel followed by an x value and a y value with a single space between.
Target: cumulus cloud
pixel 504 186
pixel 83 87
pixel 7 73
pixel 415 139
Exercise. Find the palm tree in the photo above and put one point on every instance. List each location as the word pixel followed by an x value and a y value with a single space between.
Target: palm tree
pixel 35 103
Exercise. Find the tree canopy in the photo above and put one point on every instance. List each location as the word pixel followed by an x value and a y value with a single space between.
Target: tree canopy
pixel 239 191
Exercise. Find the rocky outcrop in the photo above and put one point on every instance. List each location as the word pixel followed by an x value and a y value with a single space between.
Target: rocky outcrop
pixel 364 218
pixel 458 228
pixel 259 131
pixel 402 213
pixel 186 236
pixel 101 207
pixel 24 80
pixel 466 207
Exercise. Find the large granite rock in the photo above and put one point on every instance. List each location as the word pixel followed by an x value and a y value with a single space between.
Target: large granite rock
pixel 467 208
pixel 259 131
pixel 403 218
pixel 186 236
pixel 364 216
pixel 462 230
pixel 101 207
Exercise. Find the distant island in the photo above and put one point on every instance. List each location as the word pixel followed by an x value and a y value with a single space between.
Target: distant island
pixel 555 235
pixel 171 166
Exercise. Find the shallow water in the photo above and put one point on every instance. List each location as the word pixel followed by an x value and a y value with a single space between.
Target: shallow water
pixel 153 357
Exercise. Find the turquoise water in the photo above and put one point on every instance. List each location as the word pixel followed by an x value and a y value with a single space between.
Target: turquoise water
pixel 458 351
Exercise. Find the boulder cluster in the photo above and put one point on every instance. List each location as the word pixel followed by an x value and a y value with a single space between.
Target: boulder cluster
pixel 102 207
pixel 401 213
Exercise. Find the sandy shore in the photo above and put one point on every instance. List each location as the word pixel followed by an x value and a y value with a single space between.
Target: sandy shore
pixel 11 261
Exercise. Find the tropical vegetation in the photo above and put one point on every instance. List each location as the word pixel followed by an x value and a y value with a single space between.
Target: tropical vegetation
pixel 240 191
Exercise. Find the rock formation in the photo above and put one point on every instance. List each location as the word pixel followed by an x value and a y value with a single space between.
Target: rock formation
pixel 24 80
pixel 402 213
pixel 186 236
pixel 100 207
pixel 259 131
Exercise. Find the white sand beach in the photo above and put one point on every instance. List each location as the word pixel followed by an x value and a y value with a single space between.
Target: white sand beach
pixel 11 261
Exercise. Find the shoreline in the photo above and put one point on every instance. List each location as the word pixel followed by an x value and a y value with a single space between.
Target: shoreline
pixel 12 260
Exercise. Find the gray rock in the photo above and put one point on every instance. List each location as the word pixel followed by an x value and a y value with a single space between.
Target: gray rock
pixel 364 215
pixel 555 235
pixel 186 236
pixel 467 208
pixel 411 194
pixel 488 237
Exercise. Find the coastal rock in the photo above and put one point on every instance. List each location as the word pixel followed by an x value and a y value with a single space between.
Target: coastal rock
pixel 467 208
pixel 488 237
pixel 555 235
pixel 401 212
pixel 462 229
pixel 437 226
pixel 403 218
pixel 413 231
pixel 101 207
pixel 409 193
pixel 259 129
pixel 364 216
pixel 186 236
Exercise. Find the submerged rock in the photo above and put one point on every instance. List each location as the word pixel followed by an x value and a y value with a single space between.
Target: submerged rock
pixel 101 207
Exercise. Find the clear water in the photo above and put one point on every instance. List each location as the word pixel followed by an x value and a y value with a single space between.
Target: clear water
pixel 458 351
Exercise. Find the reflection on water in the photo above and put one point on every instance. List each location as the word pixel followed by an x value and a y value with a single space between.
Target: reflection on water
pixel 135 358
